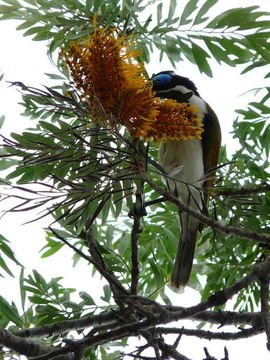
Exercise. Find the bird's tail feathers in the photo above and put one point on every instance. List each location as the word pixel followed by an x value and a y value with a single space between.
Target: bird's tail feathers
pixel 185 252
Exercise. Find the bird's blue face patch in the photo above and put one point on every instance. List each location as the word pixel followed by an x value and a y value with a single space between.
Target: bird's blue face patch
pixel 161 80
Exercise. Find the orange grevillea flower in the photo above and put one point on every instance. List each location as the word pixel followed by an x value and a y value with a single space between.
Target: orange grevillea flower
pixel 104 70
pixel 176 121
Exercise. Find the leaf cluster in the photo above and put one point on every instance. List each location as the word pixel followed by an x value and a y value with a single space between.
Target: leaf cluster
pixel 181 32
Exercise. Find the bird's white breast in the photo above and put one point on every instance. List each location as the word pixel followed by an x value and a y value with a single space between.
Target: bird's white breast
pixel 183 162
pixel 182 159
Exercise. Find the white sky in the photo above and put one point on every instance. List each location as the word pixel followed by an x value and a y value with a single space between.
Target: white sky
pixel 24 60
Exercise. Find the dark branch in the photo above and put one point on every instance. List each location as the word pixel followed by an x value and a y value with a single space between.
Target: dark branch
pixel 135 234
pixel 169 351
pixel 101 266
pixel 26 347
pixel 111 318
pixel 210 335
pixel 244 191
pixel 265 307
pixel 69 325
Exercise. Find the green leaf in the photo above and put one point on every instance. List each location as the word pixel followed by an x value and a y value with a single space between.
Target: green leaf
pixel 2 118
pixel 203 10
pixel 159 12
pixel 117 196
pixel 31 289
pixel 231 46
pixel 156 271
pixel 259 35
pixel 71 304
pixel 218 53
pixel 262 107
pixel 231 17
pixel 186 50
pixel 55 76
pixel 10 312
pixel 7 250
pixel 50 127
pixel 33 30
pixel 165 298
pixel 7 163
pixel 200 57
pixel 105 212
pixel 53 248
pixel 190 7
pixel 38 300
pixel 88 300
pixel 26 24
pixel 22 290
pixel 7 10
pixel 107 293
pixel 14 3
pixel 4 266
pixel 172 8
pixel 47 310
pixel 41 282
pixel 260 48
pixel 97 4
pixel 43 35
pixel 252 66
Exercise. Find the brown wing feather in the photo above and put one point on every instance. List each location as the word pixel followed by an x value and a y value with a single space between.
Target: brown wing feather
pixel 211 142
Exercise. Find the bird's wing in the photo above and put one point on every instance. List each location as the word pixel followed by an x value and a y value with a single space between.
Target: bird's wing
pixel 211 142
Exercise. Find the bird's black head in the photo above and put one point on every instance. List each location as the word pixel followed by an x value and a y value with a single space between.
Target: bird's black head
pixel 168 80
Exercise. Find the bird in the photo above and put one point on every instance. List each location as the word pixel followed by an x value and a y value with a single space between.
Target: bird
pixel 187 164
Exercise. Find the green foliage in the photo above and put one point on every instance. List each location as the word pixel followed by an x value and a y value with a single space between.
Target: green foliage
pixel 9 313
pixel 6 253
pixel 235 36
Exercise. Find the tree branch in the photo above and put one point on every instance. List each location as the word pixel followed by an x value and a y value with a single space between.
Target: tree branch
pixel 159 314
pixel 210 335
pixel 110 318
pixel 101 266
pixel 135 234
pixel 227 229
pixel 244 191
pixel 69 325
pixel 225 317
pixel 169 351
pixel 26 347
pixel 265 308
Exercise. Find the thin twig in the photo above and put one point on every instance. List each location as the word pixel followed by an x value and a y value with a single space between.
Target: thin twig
pixel 154 202
pixel 95 259
pixel 208 356
pixel 102 267
pixel 169 351
pixel 211 335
